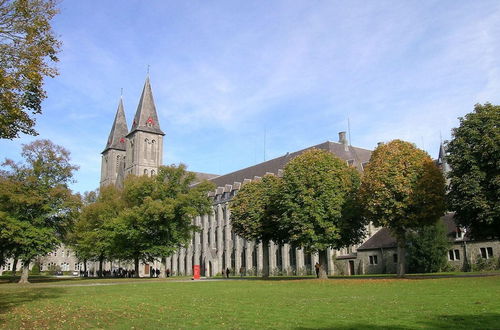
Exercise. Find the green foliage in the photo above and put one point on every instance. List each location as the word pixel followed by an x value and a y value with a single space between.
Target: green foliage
pixel 253 210
pixel 36 206
pixel 317 202
pixel 152 216
pixel 482 264
pixel 35 270
pixel 474 158
pixel 427 249
pixel 28 47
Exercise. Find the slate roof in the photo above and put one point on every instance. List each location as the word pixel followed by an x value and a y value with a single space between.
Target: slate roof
pixel 384 239
pixel 357 155
pixel 119 130
pixel 146 118
pixel 200 176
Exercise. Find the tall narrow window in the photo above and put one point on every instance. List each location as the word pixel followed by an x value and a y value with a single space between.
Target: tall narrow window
pixel 153 150
pixel 146 142
pixel 145 172
pixel 132 151
pixel 117 162
pixel 153 172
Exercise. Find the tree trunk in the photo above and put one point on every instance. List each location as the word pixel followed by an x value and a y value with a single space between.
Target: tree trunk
pixel 265 257
pixel 25 273
pixel 136 264
pixel 14 265
pixel 401 257
pixel 84 267
pixel 467 264
pixel 163 267
pixel 323 264
pixel 101 261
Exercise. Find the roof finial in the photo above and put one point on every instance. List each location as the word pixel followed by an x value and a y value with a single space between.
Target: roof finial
pixel 148 69
pixel 121 92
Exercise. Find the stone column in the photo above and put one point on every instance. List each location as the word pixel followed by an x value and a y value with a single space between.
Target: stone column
pixel 227 244
pixel 220 243
pixel 175 264
pixel 237 254
pixel 272 258
pixel 260 259
pixel 197 245
pixel 300 262
pixel 285 263
pixel 329 256
pixel 248 255
pixel 182 265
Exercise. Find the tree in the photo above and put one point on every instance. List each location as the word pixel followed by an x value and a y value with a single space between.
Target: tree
pixel 402 189
pixel 254 214
pixel 474 157
pixel 36 206
pixel 92 237
pixel 427 249
pixel 28 47
pixel 318 204
pixel 158 213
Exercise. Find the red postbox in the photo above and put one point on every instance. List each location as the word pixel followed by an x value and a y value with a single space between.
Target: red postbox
pixel 196 272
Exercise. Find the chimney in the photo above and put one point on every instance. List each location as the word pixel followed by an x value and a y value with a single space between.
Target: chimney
pixel 343 140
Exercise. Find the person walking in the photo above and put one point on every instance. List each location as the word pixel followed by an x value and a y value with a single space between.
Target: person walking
pixel 316 267
pixel 227 272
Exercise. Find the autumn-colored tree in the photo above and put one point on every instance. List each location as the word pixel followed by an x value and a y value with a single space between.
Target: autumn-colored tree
pixel 318 204
pixel 28 48
pixel 474 157
pixel 402 189
pixel 158 213
pixel 254 215
pixel 36 206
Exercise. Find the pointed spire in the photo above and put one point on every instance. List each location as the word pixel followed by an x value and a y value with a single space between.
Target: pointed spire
pixel 146 118
pixel 119 130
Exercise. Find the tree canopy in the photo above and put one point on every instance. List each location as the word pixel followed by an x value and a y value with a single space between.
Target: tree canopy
pixel 148 219
pixel 36 206
pixel 402 189
pixel 317 204
pixel 474 157
pixel 28 49
pixel 254 215
pixel 427 249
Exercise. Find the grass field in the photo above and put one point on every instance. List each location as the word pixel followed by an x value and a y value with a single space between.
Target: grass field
pixel 455 303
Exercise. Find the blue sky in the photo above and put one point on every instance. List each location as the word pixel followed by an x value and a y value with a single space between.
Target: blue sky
pixel 225 72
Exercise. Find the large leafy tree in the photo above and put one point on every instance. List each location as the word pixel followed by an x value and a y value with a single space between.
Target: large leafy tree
pixel 92 237
pixel 402 189
pixel 254 214
pixel 36 206
pixel 28 49
pixel 474 158
pixel 158 212
pixel 318 204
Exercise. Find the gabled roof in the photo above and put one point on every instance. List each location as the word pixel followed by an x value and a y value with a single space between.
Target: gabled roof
pixel 357 155
pixel 146 118
pixel 119 130
pixel 384 239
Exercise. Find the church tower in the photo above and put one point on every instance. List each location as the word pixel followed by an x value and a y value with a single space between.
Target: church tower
pixel 145 140
pixel 114 152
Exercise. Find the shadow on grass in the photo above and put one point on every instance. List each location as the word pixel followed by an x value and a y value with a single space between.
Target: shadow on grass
pixel 476 321
pixel 11 299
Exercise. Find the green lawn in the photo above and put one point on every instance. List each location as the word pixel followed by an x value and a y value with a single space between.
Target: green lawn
pixel 455 303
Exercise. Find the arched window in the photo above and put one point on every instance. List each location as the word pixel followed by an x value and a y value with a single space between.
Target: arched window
pixel 117 162
pixel 153 150
pixel 153 172
pixel 132 151
pixel 146 142
pixel 145 172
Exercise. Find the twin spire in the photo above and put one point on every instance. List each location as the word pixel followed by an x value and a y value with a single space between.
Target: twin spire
pixel 145 119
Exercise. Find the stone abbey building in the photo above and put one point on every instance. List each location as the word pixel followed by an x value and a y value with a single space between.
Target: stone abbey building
pixel 216 247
